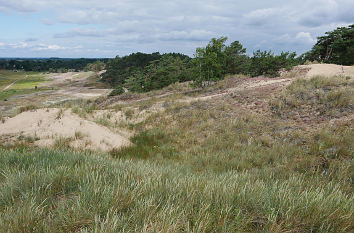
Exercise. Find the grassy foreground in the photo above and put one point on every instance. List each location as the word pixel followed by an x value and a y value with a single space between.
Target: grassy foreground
pixel 63 191
pixel 200 166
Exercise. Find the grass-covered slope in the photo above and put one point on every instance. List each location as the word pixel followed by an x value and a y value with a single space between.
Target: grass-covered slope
pixel 230 163
pixel 319 96
pixel 62 191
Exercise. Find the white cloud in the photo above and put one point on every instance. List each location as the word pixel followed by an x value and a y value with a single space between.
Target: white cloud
pixel 306 37
pixel 21 45
pixel 42 47
pixel 261 13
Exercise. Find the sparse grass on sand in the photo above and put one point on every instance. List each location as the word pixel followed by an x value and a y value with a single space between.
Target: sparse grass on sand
pixel 203 166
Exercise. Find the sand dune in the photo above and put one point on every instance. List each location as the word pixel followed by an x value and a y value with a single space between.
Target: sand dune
pixel 329 70
pixel 49 125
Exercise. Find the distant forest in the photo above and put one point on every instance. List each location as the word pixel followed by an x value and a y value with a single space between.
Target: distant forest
pixel 48 64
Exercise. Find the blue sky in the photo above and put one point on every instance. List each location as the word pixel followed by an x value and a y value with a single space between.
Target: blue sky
pixel 106 28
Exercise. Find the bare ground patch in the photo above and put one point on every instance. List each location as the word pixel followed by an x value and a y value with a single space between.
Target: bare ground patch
pixel 57 126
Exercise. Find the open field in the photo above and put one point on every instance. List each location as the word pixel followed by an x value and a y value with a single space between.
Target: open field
pixel 51 88
pixel 18 83
pixel 243 155
pixel 7 77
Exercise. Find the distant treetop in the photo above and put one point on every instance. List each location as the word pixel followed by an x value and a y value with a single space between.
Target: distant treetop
pixel 336 47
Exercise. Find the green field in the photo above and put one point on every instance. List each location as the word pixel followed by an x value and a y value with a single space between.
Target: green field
pixel 22 86
pixel 7 77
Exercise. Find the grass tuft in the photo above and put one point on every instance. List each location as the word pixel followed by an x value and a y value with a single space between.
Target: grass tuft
pixel 146 144
pixel 27 108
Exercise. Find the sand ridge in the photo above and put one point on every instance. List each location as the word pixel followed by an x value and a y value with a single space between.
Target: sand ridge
pixel 328 70
pixel 49 125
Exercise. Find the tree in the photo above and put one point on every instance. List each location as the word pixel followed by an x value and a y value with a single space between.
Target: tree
pixel 336 46
pixel 211 61
pixel 159 73
pixel 96 66
pixel 237 62
pixel 120 68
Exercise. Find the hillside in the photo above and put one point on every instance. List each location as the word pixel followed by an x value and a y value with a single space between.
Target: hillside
pixel 242 155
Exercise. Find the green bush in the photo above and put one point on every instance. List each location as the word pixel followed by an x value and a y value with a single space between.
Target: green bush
pixel 267 64
pixel 117 91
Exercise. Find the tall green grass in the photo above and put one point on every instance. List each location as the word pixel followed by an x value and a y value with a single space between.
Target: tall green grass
pixel 63 191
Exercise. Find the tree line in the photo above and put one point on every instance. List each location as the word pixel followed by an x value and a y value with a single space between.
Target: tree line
pixel 140 72
pixel 50 64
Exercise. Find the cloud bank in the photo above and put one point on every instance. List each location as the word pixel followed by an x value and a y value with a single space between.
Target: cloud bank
pixel 107 28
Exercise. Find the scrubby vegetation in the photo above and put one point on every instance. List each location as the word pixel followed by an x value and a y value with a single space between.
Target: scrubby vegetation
pixel 145 72
pixel 267 64
pixel 119 69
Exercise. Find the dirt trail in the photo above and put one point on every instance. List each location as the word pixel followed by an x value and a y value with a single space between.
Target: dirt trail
pixel 255 83
pixel 74 85
pixel 14 83
pixel 252 83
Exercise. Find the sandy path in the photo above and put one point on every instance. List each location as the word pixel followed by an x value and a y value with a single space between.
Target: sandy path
pixel 254 83
pixel 73 84
pixel 250 84
pixel 14 83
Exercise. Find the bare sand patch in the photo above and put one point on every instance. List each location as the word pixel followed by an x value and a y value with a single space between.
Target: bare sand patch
pixel 328 70
pixel 49 125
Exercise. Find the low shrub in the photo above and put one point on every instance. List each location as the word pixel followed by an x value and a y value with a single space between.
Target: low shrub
pixel 117 91
pixel 146 144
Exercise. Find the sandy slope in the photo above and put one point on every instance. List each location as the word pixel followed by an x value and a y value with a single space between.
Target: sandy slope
pixel 73 84
pixel 329 70
pixel 49 125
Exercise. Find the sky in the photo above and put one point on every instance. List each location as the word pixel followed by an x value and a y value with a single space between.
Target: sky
pixel 107 28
